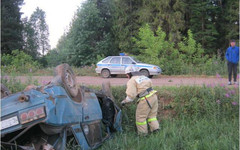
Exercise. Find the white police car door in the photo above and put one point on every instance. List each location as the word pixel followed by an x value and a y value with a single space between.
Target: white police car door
pixel 126 61
pixel 115 65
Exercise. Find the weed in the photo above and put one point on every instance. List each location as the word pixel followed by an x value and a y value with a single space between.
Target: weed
pixel 204 119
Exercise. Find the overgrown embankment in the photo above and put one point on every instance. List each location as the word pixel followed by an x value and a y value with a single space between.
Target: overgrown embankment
pixel 191 117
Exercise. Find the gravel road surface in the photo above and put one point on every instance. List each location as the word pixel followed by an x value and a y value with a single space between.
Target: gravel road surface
pixel 160 81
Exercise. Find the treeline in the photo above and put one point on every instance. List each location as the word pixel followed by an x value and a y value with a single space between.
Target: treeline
pixel 106 27
pixel 183 30
pixel 29 35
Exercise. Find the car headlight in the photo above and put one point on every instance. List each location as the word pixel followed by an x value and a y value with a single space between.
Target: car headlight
pixel 32 115
pixel 9 122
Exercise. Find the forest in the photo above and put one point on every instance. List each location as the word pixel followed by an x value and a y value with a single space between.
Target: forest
pixel 173 34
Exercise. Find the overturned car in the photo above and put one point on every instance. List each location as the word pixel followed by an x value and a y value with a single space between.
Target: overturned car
pixel 49 116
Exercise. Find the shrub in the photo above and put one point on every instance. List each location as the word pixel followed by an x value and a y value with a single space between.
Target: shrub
pixel 191 51
pixel 209 100
pixel 155 49
pixel 204 114
pixel 18 62
pixel 215 66
pixel 187 57
pixel 85 70
pixel 16 85
pixel 200 119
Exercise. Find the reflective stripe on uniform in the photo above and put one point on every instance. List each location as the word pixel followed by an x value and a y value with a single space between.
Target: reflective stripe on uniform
pixel 152 119
pixel 141 123
pixel 149 95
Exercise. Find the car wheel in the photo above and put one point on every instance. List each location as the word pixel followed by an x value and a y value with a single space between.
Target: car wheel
pixel 145 72
pixel 4 91
pixel 105 73
pixel 68 79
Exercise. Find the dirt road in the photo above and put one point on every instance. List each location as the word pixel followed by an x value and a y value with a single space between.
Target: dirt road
pixel 160 81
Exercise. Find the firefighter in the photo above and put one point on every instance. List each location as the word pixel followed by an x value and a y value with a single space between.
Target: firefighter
pixel 146 113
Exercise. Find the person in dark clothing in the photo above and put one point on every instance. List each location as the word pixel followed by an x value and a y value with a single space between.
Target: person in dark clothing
pixel 232 56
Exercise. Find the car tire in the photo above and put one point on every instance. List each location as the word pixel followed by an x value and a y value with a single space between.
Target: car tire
pixel 105 73
pixel 144 72
pixel 68 79
pixel 4 91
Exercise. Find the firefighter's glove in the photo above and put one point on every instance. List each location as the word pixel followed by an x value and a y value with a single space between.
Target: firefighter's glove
pixel 125 101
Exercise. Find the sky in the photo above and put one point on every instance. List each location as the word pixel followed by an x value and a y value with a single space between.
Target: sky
pixel 59 14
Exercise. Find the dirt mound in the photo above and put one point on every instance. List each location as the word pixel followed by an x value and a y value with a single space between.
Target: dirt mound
pixel 165 109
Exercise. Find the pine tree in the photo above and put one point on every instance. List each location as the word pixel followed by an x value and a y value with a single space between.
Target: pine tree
pixel 169 15
pixel 131 15
pixel 11 26
pixel 125 23
pixel 203 17
pixel 30 39
pixel 41 33
pixel 228 23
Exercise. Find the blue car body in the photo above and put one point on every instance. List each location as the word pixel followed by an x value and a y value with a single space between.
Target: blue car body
pixel 51 112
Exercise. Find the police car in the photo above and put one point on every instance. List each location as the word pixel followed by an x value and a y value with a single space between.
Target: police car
pixel 111 66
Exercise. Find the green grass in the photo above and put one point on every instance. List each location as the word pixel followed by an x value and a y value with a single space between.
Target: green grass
pixel 215 67
pixel 206 69
pixel 181 134
pixel 200 123
pixel 81 71
pixel 203 118
pixel 15 85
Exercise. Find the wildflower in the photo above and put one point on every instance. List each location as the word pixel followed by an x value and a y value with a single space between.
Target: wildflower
pixel 234 103
pixel 238 76
pixel 222 85
pixel 213 85
pixel 218 75
pixel 218 101
pixel 30 70
pixel 209 85
pixel 227 95
pixel 5 77
pixel 236 86
pixel 232 92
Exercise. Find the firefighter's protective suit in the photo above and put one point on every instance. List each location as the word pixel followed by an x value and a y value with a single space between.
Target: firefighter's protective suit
pixel 146 112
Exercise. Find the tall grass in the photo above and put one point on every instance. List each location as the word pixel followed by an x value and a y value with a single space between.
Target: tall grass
pixel 49 71
pixel 212 67
pixel 201 118
pixel 205 118
pixel 182 134
pixel 14 84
